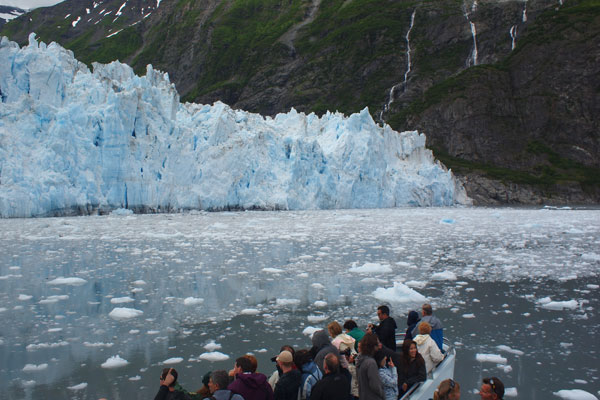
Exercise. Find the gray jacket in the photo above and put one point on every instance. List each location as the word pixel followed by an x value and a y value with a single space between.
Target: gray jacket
pixel 370 386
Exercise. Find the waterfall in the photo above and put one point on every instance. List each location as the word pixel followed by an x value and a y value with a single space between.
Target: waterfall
pixel 474 33
pixel 408 68
pixel 513 36
pixel 472 60
pixel 525 11
pixel 408 60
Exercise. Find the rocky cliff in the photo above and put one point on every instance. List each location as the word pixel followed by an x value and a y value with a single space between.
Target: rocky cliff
pixel 507 92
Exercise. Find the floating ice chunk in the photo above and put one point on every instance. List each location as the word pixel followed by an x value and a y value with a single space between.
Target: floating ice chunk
pixel 287 302
pixel 135 378
pixel 444 276
pixel 250 311
pixel 114 362
pixel 53 299
pixel 122 313
pixel 28 383
pixel 120 300
pixel 192 301
pixel 505 368
pixel 510 392
pixel 24 297
pixel 273 270
pixel 310 330
pixel 399 293
pixel 416 284
pixel 320 303
pixel 122 212
pixel 544 300
pixel 98 344
pixel 139 282
pixel 493 358
pixel 509 350
pixel 316 318
pixel 317 286
pixel 80 386
pixel 214 356
pixel 580 381
pixel 212 346
pixel 174 360
pixel 590 257
pixel 67 281
pixel 2 309
pixel 33 347
pixel 575 394
pixel 372 268
pixel 448 221
pixel 34 368
pixel 51 330
pixel 468 316
pixel 152 332
pixel 303 275
pixel 561 305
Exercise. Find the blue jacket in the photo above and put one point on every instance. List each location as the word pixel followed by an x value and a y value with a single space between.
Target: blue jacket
pixel 389 378
pixel 310 376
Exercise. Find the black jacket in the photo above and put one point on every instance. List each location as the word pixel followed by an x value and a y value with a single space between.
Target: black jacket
pixel 164 394
pixel 412 372
pixel 386 332
pixel 287 386
pixel 331 387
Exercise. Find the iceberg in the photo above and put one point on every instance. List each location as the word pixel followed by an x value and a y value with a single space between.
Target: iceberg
pixel 73 141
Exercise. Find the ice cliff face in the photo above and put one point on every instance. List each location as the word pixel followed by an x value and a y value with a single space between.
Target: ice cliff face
pixel 75 141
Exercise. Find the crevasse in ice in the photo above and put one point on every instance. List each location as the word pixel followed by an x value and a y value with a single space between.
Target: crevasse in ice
pixel 75 141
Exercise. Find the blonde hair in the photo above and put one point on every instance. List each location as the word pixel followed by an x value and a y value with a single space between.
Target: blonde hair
pixel 447 388
pixel 424 328
pixel 334 329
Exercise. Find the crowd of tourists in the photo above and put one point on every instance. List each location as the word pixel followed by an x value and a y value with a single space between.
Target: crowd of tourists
pixel 344 363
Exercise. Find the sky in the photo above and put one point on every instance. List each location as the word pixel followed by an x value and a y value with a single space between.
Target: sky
pixel 29 4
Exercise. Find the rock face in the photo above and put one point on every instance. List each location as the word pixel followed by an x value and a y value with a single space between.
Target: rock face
pixel 504 90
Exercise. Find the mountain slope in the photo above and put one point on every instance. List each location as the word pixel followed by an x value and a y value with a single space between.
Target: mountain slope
pixel 474 79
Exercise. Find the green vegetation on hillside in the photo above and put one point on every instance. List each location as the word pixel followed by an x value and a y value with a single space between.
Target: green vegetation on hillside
pixel 242 36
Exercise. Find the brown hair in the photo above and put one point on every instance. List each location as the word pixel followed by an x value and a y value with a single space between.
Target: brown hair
pixel 424 328
pixel 334 329
pixel 447 388
pixel 369 344
pixel 165 372
pixel 427 309
pixel 254 362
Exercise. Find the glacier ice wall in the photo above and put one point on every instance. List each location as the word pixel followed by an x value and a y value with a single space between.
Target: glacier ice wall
pixel 76 142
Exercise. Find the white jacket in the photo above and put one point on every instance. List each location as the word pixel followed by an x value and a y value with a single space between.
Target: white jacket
pixel 429 350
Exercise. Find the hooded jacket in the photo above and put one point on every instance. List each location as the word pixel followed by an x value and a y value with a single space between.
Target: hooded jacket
pixel 370 386
pixel 322 346
pixel 343 342
pixel 437 330
pixel 412 321
pixel 251 386
pixel 310 376
pixel 429 350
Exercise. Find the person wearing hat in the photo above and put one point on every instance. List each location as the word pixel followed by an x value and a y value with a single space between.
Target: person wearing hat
pixel 289 382
pixel 491 389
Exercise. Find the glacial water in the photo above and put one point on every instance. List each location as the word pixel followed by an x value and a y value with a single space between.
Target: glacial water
pixel 521 284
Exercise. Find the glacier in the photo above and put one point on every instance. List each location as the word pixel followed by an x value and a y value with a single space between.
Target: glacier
pixel 73 142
